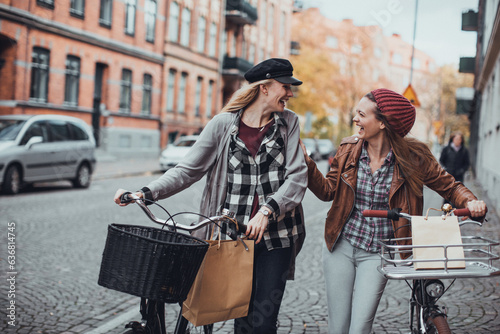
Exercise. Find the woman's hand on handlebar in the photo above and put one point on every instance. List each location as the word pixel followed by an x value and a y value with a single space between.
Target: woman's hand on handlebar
pixel 477 208
pixel 119 193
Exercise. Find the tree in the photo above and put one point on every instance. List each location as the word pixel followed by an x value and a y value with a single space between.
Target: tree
pixel 451 79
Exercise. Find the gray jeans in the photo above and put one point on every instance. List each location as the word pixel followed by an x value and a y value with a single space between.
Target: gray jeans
pixel 353 288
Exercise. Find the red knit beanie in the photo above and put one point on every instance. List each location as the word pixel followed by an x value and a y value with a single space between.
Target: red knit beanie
pixel 401 110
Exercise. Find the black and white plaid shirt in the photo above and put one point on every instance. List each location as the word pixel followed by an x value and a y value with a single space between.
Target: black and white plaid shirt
pixel 262 175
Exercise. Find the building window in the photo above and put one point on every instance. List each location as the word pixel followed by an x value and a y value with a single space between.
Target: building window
pixel 46 3
pixel 251 54
pixel 77 8
pixel 173 24
pixel 396 58
pixel 105 13
pixel 416 63
pixel 199 84
pixel 147 90
pixel 202 27
pixel 40 65
pixel 332 42
pixel 263 13
pixel 150 19
pixel 126 91
pixel 283 25
pixel 356 49
pixel 270 17
pixel 131 6
pixel 171 90
pixel 186 23
pixel 234 42
pixel 208 111
pixel 212 43
pixel 72 80
pixel 181 107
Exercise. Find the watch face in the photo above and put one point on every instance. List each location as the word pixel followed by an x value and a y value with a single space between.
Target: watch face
pixel 264 212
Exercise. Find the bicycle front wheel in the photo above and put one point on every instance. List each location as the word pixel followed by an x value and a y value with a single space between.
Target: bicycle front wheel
pixel 440 324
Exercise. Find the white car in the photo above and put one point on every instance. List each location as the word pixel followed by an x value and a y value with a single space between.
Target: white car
pixel 174 153
pixel 39 148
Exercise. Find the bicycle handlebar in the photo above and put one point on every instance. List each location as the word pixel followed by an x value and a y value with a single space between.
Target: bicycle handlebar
pixel 128 197
pixel 395 214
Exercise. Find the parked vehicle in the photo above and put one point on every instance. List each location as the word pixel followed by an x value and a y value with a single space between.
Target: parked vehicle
pixel 312 148
pixel 39 148
pixel 326 148
pixel 174 153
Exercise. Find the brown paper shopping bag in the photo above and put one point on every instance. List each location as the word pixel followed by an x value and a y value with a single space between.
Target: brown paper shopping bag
pixel 436 231
pixel 223 286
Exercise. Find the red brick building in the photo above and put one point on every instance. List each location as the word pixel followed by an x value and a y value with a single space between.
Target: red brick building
pixel 142 72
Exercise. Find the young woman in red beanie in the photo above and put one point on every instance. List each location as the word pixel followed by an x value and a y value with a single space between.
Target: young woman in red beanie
pixel 379 168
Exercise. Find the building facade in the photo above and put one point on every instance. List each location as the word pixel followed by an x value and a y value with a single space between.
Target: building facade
pixel 368 59
pixel 141 72
pixel 484 111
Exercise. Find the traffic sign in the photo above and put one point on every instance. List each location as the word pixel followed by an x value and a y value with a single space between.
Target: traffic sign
pixel 411 96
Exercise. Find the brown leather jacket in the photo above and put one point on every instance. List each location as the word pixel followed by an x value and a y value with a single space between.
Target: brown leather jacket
pixel 339 186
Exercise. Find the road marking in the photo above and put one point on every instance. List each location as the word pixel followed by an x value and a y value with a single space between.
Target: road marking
pixel 129 315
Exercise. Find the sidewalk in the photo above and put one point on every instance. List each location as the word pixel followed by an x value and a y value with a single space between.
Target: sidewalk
pixel 110 166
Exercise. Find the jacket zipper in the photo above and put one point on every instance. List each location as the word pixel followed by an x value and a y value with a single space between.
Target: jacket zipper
pixel 350 212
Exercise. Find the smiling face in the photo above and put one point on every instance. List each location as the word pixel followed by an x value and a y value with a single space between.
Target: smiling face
pixel 366 119
pixel 277 95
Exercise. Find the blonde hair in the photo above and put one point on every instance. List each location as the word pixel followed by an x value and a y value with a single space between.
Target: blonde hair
pixel 244 96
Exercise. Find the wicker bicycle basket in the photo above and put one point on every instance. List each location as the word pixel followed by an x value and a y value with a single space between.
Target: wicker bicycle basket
pixel 150 262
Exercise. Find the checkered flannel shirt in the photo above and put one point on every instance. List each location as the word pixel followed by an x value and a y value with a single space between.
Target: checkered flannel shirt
pixel 261 176
pixel 372 194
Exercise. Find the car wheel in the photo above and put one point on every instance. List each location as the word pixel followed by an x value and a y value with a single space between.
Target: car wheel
pixel 82 179
pixel 12 181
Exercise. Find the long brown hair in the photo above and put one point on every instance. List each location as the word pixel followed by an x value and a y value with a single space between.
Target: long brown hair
pixel 244 96
pixel 411 154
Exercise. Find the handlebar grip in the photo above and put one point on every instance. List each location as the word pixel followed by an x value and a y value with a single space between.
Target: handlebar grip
pixel 125 197
pixel 376 213
pixel 461 212
pixel 464 212
pixel 242 229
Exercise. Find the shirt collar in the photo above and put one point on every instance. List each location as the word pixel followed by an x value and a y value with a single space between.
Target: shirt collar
pixel 389 159
pixel 279 120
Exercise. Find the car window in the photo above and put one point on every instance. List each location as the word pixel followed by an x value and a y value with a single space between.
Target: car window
pixel 9 129
pixel 77 133
pixel 59 131
pixel 37 129
pixel 186 143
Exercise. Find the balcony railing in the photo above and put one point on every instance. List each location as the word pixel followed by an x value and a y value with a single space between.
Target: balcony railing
pixel 241 12
pixel 235 65
pixel 467 65
pixel 469 21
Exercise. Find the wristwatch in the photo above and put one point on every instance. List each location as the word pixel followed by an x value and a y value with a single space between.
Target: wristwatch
pixel 264 211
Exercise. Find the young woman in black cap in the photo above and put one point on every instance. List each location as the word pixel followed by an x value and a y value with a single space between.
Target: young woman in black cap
pixel 251 155
pixel 379 168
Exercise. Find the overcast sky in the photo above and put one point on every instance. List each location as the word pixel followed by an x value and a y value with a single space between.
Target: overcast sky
pixel 439 23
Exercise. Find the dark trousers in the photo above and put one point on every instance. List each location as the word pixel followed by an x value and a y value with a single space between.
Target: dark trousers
pixel 269 280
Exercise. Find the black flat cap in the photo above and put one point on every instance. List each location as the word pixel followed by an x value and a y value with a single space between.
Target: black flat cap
pixel 274 68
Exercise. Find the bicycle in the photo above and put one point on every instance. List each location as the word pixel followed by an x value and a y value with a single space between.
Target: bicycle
pixel 158 289
pixel 425 316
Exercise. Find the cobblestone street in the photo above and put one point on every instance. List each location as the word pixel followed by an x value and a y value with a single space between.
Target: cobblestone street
pixel 59 249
